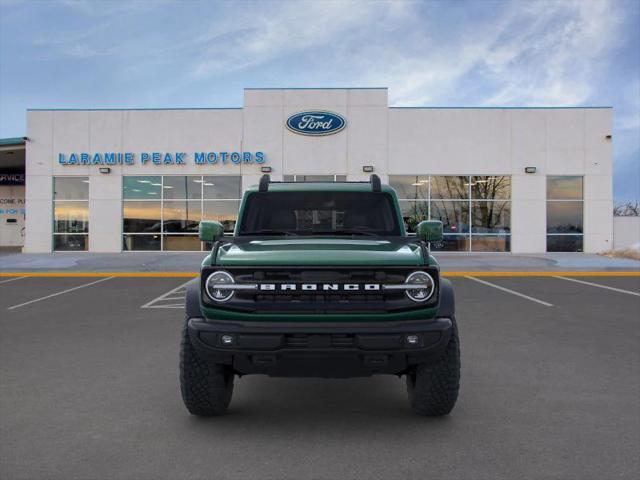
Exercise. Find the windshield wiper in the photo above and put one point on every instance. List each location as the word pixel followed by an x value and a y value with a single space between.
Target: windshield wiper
pixel 344 232
pixel 268 231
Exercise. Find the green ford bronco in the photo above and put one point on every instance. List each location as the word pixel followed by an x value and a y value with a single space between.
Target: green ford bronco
pixel 320 280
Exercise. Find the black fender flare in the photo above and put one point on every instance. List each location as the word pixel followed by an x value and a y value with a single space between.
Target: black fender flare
pixel 192 300
pixel 447 304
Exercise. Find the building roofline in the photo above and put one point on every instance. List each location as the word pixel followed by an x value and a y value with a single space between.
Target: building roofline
pixel 504 108
pixel 126 109
pixel 12 141
pixel 316 88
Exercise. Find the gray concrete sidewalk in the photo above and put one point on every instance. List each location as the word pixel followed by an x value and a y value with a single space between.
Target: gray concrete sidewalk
pixel 190 262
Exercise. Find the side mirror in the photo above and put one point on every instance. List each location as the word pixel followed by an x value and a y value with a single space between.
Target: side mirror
pixel 210 230
pixel 429 231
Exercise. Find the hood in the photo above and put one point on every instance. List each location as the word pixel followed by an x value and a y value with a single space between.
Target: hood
pixel 321 251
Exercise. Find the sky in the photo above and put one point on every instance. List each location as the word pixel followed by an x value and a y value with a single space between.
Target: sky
pixel 146 53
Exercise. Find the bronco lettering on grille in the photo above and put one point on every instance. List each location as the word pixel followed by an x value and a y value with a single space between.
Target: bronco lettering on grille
pixel 312 287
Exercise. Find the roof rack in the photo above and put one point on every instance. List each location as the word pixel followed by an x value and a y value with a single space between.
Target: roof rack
pixel 374 180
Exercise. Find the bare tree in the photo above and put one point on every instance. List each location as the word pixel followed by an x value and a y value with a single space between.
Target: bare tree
pixel 628 209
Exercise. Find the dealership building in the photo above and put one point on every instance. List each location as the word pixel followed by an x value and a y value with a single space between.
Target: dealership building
pixel 524 180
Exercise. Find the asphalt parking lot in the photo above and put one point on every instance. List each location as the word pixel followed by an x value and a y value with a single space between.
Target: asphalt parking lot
pixel 89 390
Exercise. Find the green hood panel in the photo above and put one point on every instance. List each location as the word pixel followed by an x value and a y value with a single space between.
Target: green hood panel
pixel 320 251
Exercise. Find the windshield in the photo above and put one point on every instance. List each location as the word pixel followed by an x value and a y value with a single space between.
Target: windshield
pixel 319 213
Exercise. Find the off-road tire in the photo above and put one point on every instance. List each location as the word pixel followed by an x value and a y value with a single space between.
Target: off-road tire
pixel 206 388
pixel 433 387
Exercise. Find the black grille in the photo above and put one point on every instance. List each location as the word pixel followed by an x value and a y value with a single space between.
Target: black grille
pixel 320 341
pixel 322 301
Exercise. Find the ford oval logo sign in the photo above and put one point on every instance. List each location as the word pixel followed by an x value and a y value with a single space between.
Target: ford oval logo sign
pixel 316 122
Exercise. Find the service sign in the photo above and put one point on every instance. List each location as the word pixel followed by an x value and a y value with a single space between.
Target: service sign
pixel 11 178
pixel 316 123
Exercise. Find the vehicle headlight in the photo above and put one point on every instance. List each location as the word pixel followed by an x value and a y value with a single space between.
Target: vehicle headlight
pixel 215 286
pixel 426 289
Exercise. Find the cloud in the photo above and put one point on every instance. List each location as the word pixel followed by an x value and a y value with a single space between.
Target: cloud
pixel 537 53
pixel 271 31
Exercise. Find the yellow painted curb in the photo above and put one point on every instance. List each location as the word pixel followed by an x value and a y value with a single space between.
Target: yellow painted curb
pixel 195 274
pixel 102 274
pixel 542 274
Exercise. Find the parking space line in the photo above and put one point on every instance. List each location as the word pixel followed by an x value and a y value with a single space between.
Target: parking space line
pixel 512 292
pixel 12 279
pixel 167 296
pixel 620 290
pixel 58 293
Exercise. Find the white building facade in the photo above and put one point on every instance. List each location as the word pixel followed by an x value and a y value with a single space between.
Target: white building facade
pixel 522 180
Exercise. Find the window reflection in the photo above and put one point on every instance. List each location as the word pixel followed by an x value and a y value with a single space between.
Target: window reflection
pixel 450 187
pixel 141 217
pixel 491 217
pixel 142 187
pixel 413 213
pixel 453 215
pixel 224 212
pixel 491 243
pixel 62 243
pixel 221 186
pixel 182 187
pixel 564 217
pixel 71 217
pixel 410 187
pixel 181 242
pixel 141 242
pixel 564 243
pixel 71 188
pixel 451 243
pixel 564 188
pixel 491 187
pixel 181 215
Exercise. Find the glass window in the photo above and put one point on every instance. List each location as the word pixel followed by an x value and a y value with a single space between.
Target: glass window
pixel 452 243
pixel 314 178
pixel 491 243
pixel 410 186
pixel 449 187
pixel 63 243
pixel 221 186
pixel 491 187
pixel 564 243
pixel 564 188
pixel 413 213
pixel 71 188
pixel 141 242
pixel 320 213
pixel 564 217
pixel 225 212
pixel 453 215
pixel 491 217
pixel 142 187
pixel 141 217
pixel 71 217
pixel 181 242
pixel 182 187
pixel 181 216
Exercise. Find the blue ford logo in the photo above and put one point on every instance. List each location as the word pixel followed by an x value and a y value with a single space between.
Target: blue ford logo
pixel 316 122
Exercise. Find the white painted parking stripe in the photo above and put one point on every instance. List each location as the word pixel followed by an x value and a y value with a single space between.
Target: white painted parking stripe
pixel 59 293
pixel 12 279
pixel 167 296
pixel 512 292
pixel 628 292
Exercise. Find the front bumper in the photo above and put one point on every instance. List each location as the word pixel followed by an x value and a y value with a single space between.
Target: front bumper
pixel 330 350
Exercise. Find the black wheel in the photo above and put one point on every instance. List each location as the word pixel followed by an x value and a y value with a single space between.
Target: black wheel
pixel 206 388
pixel 433 387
